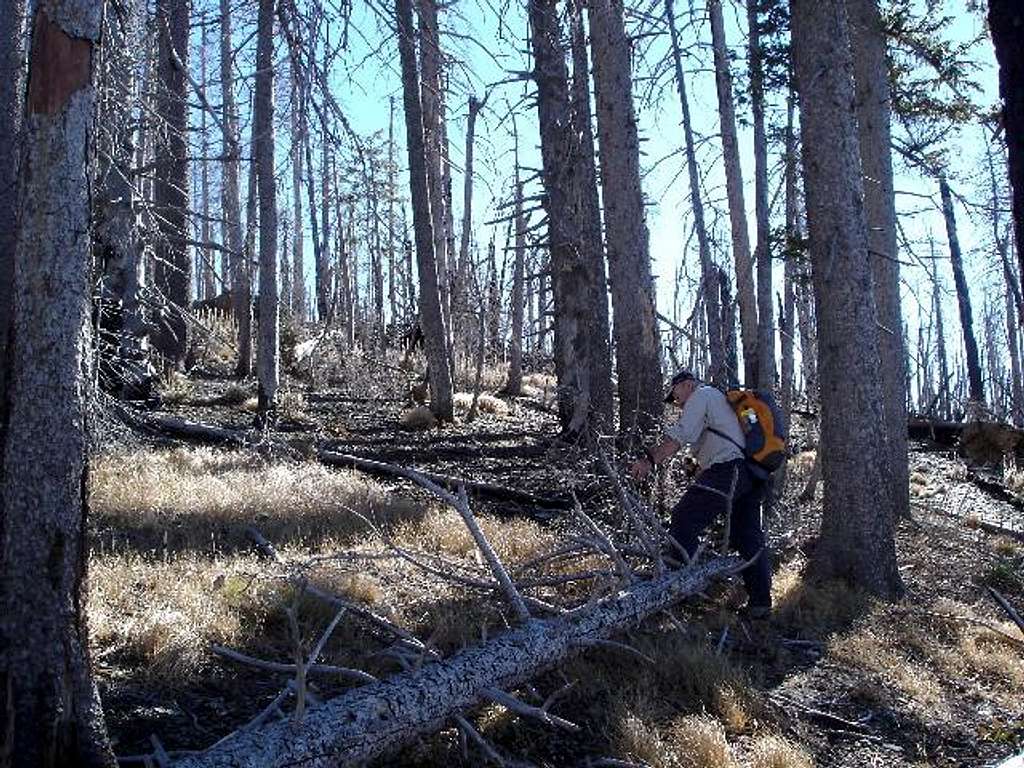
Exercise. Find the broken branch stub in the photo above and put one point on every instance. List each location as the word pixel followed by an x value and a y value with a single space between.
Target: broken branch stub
pixel 379 718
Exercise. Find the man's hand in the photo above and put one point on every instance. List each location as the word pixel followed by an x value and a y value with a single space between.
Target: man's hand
pixel 640 469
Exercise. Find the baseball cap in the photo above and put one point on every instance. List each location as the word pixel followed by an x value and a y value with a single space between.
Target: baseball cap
pixel 680 376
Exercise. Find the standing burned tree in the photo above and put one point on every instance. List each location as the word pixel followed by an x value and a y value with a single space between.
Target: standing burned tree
pixel 432 318
pixel 1006 23
pixel 173 275
pixel 51 706
pixel 637 348
pixel 857 534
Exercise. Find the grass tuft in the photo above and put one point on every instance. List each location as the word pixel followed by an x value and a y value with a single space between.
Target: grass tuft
pixel 485 403
pixel 772 751
pixel 417 419
pixel 700 741
pixel 203 499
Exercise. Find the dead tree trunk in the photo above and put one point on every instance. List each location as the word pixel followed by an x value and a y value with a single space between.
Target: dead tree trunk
pixel 392 187
pixel 378 718
pixel 173 273
pixel 588 212
pixel 787 325
pixel 558 145
pixel 515 361
pixel 12 84
pixel 963 296
pixel 943 391
pixel 734 191
pixel 230 196
pixel 431 317
pixel 52 713
pixel 263 125
pixel 762 251
pixel 431 100
pixel 637 347
pixel 873 119
pixel 1016 386
pixel 857 534
pixel 298 269
pixel 122 356
pixel 709 275
pixel 475 106
pixel 1005 22
pixel 208 281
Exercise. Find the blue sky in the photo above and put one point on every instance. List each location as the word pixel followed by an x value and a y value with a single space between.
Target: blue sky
pixel 487 43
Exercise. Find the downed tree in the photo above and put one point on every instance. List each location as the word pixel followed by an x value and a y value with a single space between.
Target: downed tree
pixel 544 507
pixel 378 718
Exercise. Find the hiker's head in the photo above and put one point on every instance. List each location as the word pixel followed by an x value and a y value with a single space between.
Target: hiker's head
pixel 681 387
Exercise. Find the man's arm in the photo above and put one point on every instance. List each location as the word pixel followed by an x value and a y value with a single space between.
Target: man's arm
pixel 653 455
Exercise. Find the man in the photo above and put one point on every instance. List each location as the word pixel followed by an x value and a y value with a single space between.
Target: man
pixel 709 423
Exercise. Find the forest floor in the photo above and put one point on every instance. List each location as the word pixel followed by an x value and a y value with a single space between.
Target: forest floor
pixel 833 679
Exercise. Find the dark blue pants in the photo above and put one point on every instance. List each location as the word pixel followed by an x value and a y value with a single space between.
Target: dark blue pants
pixel 698 508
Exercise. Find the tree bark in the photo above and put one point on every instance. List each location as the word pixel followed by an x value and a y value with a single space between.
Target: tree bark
pixel 50 704
pixel 208 282
pixel 431 100
pixel 963 297
pixel 787 321
pixel 637 347
pixel 762 251
pixel 515 362
pixel 298 268
pixel 231 196
pixel 12 84
pixel 1006 25
pixel 734 191
pixel 867 36
pixel 467 199
pixel 378 718
pixel 943 392
pixel 857 533
pixel 122 363
pixel 569 281
pixel 173 270
pixel 588 213
pixel 263 125
pixel 431 316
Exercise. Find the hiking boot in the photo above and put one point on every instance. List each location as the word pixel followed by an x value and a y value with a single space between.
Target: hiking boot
pixel 755 612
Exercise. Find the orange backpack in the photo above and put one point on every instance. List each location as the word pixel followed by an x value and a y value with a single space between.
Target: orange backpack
pixel 764 428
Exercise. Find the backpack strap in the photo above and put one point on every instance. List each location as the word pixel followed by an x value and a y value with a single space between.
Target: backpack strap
pixel 721 434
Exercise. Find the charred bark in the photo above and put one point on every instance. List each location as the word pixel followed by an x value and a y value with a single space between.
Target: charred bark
pixel 51 709
pixel 431 316
pixel 173 268
pixel 857 534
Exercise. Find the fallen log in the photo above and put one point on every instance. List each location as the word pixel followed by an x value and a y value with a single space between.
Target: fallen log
pixel 543 503
pixel 378 718
pixel 542 507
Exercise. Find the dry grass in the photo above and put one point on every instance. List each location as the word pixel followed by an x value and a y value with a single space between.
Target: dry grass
pixel 485 403
pixel 164 615
pixel 199 498
pixel 772 751
pixel 417 419
pixel 816 608
pixel 634 737
pixel 441 530
pixel 700 743
pixel 540 386
pixel 235 395
pixel 175 388
pixel 493 377
pixel 1014 479
pixel 799 467
pixel 291 405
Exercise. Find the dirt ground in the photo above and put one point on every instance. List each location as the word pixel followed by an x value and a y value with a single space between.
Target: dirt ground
pixel 834 679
